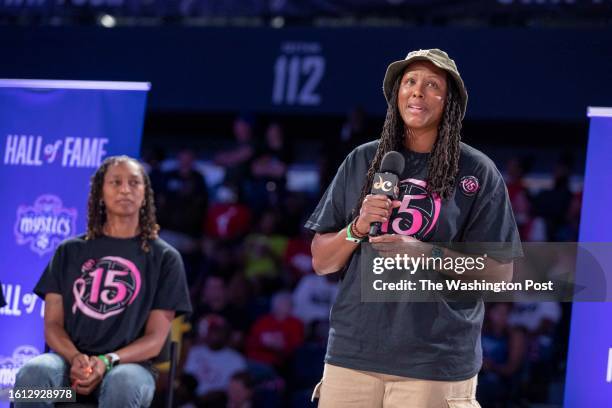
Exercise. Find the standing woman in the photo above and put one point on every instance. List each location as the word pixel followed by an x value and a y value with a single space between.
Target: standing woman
pixel 110 296
pixel 417 355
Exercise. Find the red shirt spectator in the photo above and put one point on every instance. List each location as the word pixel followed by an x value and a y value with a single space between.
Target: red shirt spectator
pixel 274 337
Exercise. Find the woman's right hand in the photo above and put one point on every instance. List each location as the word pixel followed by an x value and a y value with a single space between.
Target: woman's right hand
pixel 80 368
pixel 374 208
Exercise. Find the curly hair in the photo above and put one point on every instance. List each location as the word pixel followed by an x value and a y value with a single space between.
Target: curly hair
pixel 443 163
pixel 96 210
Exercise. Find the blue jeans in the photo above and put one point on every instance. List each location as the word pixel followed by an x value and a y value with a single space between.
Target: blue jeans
pixel 126 385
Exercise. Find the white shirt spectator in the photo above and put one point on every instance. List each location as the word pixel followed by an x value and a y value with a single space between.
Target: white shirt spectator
pixel 531 314
pixel 313 298
pixel 213 368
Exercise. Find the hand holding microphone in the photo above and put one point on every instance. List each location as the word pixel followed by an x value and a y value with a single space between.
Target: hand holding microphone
pixel 377 206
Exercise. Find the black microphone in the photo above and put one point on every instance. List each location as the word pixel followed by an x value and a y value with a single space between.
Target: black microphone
pixel 386 181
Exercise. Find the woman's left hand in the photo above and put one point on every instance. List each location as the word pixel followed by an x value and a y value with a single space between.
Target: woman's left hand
pixel 87 386
pixel 389 245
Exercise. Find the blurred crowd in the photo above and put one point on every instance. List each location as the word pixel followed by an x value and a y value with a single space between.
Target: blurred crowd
pixel 258 334
pixel 525 343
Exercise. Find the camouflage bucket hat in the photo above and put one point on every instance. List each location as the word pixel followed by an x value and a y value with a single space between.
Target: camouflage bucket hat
pixel 437 57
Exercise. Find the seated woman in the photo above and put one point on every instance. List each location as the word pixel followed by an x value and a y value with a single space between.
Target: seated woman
pixel 110 296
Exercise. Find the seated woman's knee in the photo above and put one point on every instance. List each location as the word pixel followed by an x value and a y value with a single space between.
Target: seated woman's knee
pixel 128 377
pixel 44 369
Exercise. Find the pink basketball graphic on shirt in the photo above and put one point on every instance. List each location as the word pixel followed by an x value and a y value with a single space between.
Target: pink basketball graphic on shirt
pixel 418 213
pixel 106 287
pixel 469 185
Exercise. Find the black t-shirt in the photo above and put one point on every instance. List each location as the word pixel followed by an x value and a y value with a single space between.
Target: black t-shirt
pixel 436 340
pixel 110 285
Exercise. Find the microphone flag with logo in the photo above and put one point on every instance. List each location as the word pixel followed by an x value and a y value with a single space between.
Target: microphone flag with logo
pixel 386 181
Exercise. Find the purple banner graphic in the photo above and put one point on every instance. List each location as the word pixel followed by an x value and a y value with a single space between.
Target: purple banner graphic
pixel 589 365
pixel 53 135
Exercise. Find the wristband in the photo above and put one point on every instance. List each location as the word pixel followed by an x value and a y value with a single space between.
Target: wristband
pixel 349 235
pixel 105 361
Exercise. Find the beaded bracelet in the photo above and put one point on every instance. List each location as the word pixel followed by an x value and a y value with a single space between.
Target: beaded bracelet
pixel 355 231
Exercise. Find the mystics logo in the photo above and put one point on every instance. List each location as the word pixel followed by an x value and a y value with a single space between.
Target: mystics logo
pixel 106 287
pixel 11 364
pixel 419 211
pixel 45 224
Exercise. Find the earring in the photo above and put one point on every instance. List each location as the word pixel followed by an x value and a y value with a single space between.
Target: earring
pixel 101 207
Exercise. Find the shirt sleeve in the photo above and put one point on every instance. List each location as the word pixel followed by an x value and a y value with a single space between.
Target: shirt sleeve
pixel 50 281
pixel 172 292
pixel 330 214
pixel 492 220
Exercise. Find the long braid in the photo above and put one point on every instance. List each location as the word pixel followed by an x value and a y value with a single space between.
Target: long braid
pixel 96 211
pixel 391 138
pixel 147 221
pixel 443 163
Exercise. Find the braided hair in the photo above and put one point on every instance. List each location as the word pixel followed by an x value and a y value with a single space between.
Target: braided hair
pixel 96 210
pixel 443 163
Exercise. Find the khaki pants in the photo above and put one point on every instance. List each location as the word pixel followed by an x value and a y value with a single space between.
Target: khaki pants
pixel 344 387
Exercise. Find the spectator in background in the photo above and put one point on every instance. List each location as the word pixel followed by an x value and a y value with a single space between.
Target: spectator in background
pixel 227 219
pixel 553 204
pixel 220 259
pixel 534 230
pixel 353 133
pixel 264 250
pixel 314 296
pixel 308 363
pixel 297 260
pixel 238 157
pixel 274 337
pixel 214 300
pixel 572 221
pixel 240 295
pixel 518 193
pixel 539 320
pixel 185 197
pixel 536 317
pixel 212 297
pixel 293 209
pixel 269 169
pixel 240 391
pixel 185 394
pixel 504 351
pixel 210 360
pixel 153 159
pixel 183 202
